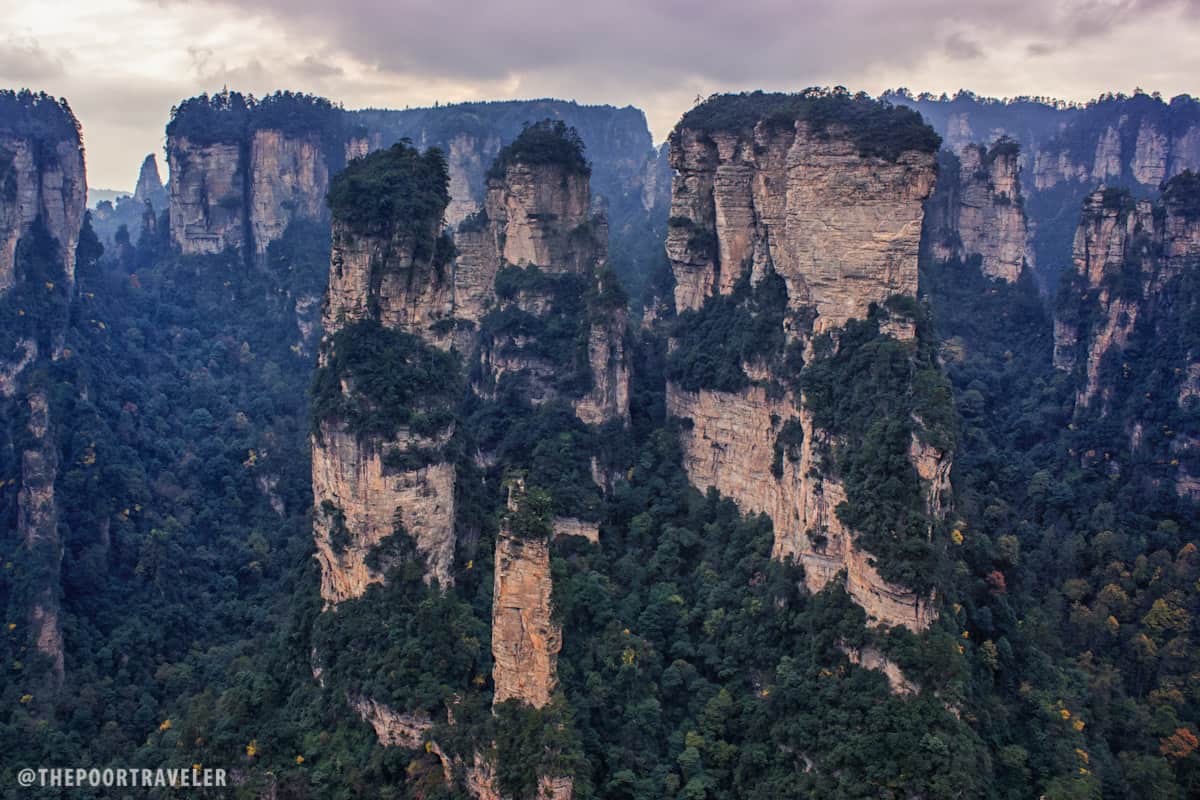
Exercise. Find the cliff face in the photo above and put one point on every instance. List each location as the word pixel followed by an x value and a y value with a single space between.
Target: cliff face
pixel 978 210
pixel 368 501
pixel 43 192
pixel 37 522
pixel 372 485
pixel 208 196
pixel 839 229
pixel 1134 285
pixel 525 638
pixel 240 194
pixel 41 179
pixel 149 185
pixel 288 179
pixel 842 230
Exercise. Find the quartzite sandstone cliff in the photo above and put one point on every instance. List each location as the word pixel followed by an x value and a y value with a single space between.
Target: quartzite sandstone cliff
pixel 842 230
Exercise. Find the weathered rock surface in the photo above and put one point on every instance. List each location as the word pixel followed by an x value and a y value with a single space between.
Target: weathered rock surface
pixel 37 524
pixel 359 502
pixel 1133 282
pixel 289 178
pixel 50 185
pixel 978 210
pixel 208 196
pixel 525 638
pixel 150 187
pixel 731 446
pixel 392 728
pixel 841 229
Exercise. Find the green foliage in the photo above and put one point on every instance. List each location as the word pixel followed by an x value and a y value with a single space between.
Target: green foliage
pixel 873 393
pixel 39 117
pixel 1182 194
pixel 397 191
pixel 230 117
pixel 878 128
pixel 549 142
pixel 787 445
pixel 397 379
pixel 715 341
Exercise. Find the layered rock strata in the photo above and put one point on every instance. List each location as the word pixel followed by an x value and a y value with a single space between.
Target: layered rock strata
pixel 978 211
pixel 842 229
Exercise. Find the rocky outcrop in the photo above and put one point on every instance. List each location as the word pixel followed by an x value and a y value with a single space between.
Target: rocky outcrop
pixel 150 187
pixel 392 728
pixel 842 229
pixel 288 178
pixel 361 502
pixel 609 362
pixel 731 446
pixel 1134 286
pixel 244 194
pixel 978 211
pixel 208 196
pixel 42 180
pixel 37 524
pixel 525 637
pixel 870 658
pixel 839 228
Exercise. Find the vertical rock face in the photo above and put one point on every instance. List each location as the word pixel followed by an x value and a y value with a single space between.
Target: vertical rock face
pixel 539 218
pixel 369 486
pixel 41 179
pixel 525 638
pixel 978 210
pixel 37 521
pixel 289 178
pixel 149 187
pixel 208 196
pixel 842 229
pixel 839 228
pixel 368 501
pixel 233 194
pixel 1134 285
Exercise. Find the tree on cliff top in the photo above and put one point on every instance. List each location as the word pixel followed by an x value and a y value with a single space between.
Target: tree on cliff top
pixel 876 126
pixel 398 190
pixel 545 142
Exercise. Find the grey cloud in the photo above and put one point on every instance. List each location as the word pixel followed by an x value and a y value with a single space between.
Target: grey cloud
pixel 310 67
pixel 961 48
pixel 23 60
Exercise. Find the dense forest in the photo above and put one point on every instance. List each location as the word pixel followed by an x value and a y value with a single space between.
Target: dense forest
pixel 693 665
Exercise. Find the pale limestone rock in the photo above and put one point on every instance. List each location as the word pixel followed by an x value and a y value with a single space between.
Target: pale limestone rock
pixel 208 196
pixel 350 475
pixel 392 728
pixel 841 229
pixel 37 525
pixel 1107 163
pixel 609 395
pixel 981 214
pixel 1149 164
pixel 525 638
pixel 149 187
pixel 53 187
pixel 871 658
pixel 288 181
pixel 731 447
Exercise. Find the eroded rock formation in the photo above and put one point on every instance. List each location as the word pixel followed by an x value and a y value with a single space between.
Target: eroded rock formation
pixel 525 638
pixel 1133 286
pixel 978 211
pixel 842 229
pixel 150 187
pixel 839 228
pixel 42 180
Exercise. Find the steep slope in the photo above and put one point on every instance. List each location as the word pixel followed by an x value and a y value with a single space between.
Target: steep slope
pixel 41 211
pixel 383 397
pixel 1069 150
pixel 1125 328
pixel 794 217
pixel 977 211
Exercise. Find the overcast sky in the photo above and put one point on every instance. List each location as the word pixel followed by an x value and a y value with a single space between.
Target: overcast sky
pixel 123 63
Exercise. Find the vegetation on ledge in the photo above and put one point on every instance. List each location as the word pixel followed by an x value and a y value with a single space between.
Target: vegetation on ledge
pixel 545 142
pixel 876 126
pixel 399 190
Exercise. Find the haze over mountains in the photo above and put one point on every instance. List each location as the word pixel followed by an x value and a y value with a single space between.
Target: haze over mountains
pixel 839 447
